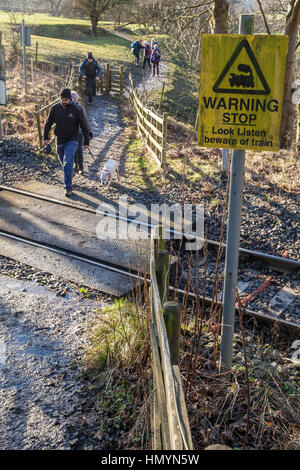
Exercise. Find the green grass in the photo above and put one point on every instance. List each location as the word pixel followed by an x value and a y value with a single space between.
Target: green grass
pixel 142 168
pixel 64 39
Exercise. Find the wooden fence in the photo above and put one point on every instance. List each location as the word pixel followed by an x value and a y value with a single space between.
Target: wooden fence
pixel 152 126
pixel 169 421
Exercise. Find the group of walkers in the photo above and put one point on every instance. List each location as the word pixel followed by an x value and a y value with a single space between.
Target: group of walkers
pixel 72 128
pixel 151 54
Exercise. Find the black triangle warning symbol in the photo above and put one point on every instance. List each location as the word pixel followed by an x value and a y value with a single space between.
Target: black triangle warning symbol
pixel 242 81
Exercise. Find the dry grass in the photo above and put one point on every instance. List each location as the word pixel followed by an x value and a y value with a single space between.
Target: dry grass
pixel 258 408
pixel 18 118
pixel 116 366
pixel 199 169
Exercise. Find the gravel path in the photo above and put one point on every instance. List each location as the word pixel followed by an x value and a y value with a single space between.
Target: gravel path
pixel 44 401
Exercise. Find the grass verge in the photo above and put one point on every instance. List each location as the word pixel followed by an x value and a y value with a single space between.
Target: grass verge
pixel 117 371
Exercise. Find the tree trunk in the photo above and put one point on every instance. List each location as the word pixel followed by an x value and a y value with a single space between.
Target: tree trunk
pixel 55 7
pixel 220 17
pixel 220 26
pixel 94 20
pixel 288 112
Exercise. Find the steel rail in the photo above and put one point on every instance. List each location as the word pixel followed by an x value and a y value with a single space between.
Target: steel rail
pixel 277 262
pixel 259 316
pixel 70 254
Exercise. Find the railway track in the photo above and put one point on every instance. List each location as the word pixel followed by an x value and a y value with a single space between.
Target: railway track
pixel 132 275
pixel 281 264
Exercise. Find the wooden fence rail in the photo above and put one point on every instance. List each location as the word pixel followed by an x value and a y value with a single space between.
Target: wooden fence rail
pixel 170 425
pixel 152 126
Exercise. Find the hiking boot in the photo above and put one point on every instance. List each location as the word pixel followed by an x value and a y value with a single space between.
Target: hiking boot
pixel 68 193
pixel 80 172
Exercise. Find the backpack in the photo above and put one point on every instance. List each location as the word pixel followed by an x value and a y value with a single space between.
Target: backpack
pixel 133 44
pixel 157 52
pixel 155 55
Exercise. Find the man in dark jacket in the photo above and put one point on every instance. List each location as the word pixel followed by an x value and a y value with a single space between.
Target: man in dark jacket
pixel 90 70
pixel 67 117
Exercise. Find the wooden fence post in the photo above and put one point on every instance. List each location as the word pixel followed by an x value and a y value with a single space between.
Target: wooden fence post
pixel 172 313
pixel 161 96
pixel 31 60
pixel 24 56
pixel 107 84
pixel 38 121
pixel 162 274
pixel 36 51
pixel 121 80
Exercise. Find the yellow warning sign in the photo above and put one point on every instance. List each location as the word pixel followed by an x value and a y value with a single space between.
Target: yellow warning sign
pixel 241 91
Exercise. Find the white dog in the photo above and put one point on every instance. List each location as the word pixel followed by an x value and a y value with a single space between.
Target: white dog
pixel 108 172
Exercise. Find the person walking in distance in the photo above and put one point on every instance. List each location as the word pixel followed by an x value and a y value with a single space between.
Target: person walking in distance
pixel 136 47
pixel 67 118
pixel 90 70
pixel 147 55
pixel 155 59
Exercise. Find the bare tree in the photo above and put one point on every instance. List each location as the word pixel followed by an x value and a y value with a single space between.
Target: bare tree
pixel 292 30
pixel 94 9
pixel 55 6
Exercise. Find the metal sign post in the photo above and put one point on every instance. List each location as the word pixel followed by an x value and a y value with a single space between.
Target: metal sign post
pixel 233 237
pixel 24 56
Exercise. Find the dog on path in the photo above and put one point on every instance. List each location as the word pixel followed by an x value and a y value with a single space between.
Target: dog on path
pixel 108 172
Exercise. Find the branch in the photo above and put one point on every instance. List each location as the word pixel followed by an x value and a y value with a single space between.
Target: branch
pixel 264 16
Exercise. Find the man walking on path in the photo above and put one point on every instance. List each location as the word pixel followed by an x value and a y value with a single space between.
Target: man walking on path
pixel 90 70
pixel 79 153
pixel 67 117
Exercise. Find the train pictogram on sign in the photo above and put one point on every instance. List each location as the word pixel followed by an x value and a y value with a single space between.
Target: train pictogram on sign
pixel 244 80
pixel 242 83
